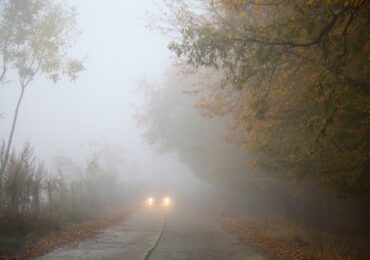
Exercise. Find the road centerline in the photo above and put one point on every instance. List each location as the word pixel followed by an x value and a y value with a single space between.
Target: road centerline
pixel 151 250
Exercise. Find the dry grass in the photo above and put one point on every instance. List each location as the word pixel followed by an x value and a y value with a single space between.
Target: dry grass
pixel 287 241
pixel 73 233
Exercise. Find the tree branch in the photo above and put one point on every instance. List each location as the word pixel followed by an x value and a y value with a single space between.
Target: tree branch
pixel 324 31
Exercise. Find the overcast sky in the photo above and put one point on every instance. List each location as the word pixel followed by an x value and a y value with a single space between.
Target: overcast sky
pixel 100 105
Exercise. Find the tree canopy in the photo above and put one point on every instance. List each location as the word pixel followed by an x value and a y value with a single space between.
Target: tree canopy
pixel 172 125
pixel 35 36
pixel 293 75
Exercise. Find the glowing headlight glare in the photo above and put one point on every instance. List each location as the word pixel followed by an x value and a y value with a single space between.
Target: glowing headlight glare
pixel 150 201
pixel 166 201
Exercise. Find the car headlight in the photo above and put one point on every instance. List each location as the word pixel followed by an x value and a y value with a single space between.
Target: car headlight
pixel 150 201
pixel 167 201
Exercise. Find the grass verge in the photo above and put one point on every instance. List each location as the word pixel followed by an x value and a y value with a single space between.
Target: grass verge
pixel 286 241
pixel 32 246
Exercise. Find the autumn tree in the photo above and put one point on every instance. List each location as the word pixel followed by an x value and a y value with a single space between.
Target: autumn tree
pixel 293 76
pixel 35 36
pixel 171 124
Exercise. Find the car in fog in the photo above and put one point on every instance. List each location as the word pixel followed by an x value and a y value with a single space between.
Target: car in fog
pixel 159 200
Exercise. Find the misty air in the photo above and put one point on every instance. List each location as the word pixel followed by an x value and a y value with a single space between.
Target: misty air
pixel 184 129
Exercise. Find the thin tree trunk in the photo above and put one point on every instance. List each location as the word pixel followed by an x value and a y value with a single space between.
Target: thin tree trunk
pixel 5 62
pixel 7 152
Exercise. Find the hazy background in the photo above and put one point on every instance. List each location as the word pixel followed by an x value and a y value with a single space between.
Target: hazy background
pixel 265 157
pixel 101 105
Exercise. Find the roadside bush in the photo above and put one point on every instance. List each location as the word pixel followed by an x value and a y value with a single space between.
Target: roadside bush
pixel 34 200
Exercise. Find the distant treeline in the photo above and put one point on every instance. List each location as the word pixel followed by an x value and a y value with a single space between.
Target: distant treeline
pixel 172 125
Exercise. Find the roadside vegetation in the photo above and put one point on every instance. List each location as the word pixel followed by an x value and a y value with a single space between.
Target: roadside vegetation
pixel 293 209
pixel 36 202
pixel 281 98
pixel 292 76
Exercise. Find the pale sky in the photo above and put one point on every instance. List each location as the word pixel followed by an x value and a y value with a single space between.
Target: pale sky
pixel 100 105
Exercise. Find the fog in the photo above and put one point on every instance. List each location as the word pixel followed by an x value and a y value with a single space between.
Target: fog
pixel 233 113
pixel 101 105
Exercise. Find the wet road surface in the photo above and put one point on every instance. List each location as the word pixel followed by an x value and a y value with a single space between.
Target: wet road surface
pixel 130 239
pixel 196 236
pixel 184 234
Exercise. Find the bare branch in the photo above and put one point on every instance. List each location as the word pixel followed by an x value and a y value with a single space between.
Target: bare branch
pixel 323 33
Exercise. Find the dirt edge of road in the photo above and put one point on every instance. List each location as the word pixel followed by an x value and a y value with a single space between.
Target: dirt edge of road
pixel 70 234
pixel 281 242
pixel 250 235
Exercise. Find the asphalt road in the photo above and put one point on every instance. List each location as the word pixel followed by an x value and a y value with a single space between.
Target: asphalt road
pixel 185 234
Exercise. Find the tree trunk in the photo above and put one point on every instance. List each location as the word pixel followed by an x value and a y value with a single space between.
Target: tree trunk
pixel 7 151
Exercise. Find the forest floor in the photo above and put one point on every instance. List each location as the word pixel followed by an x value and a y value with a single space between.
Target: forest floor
pixel 32 246
pixel 286 241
